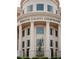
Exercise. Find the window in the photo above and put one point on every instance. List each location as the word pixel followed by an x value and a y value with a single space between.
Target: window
pixel 39 42
pixel 23 33
pixel 23 52
pixel 30 8
pixel 28 43
pixel 52 53
pixel 40 52
pixel 40 7
pixel 56 52
pixel 50 31
pixel 51 43
pixel 50 8
pixel 56 43
pixel 40 30
pixel 28 31
pixel 56 11
pixel 27 52
pixel 56 33
pixel 23 44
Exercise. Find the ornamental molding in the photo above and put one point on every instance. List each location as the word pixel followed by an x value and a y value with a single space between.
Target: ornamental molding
pixel 34 14
pixel 34 19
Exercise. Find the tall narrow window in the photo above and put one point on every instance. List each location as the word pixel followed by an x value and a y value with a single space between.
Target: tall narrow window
pixel 56 11
pixel 30 8
pixel 51 43
pixel 56 52
pixel 23 44
pixel 28 31
pixel 50 31
pixel 56 44
pixel 28 43
pixel 56 33
pixel 23 33
pixel 52 52
pixel 40 7
pixel 23 52
pixel 27 52
pixel 50 8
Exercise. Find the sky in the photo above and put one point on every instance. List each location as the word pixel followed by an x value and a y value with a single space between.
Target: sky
pixel 18 3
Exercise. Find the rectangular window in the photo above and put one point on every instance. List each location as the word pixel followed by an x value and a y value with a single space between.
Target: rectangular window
pixel 23 44
pixel 56 33
pixel 28 43
pixel 50 8
pixel 40 52
pixel 56 52
pixel 56 44
pixel 23 33
pixel 39 30
pixel 28 31
pixel 39 42
pixel 40 7
pixel 30 8
pixel 51 43
pixel 50 31
pixel 23 52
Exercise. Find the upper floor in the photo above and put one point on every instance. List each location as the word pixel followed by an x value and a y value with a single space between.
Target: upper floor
pixel 49 6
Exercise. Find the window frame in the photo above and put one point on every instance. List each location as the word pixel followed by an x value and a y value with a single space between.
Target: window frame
pixel 40 7
pixel 39 30
pixel 29 8
pixel 49 8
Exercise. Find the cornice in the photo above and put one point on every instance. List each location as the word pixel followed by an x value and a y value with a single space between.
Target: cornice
pixel 25 1
pixel 39 14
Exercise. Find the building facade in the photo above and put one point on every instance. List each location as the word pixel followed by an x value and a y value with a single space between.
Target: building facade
pixel 38 28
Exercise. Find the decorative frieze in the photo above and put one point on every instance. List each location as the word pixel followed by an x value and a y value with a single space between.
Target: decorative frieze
pixel 38 19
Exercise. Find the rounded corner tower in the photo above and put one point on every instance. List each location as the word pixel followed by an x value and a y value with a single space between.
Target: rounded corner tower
pixel 38 28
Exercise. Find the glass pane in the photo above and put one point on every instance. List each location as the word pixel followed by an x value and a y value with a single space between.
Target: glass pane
pixel 39 42
pixel 40 6
pixel 30 8
pixel 40 30
pixel 40 52
pixel 50 8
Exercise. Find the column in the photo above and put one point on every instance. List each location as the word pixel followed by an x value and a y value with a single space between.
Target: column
pixel 32 44
pixel 48 53
pixel 20 40
pixel 59 40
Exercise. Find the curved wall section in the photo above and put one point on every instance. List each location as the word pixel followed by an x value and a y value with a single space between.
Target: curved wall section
pixel 38 29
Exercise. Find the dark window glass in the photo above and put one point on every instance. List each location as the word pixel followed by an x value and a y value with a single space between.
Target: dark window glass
pixel 52 53
pixel 28 43
pixel 56 44
pixel 23 33
pixel 51 43
pixel 50 8
pixel 28 31
pixel 40 7
pixel 50 31
pixel 40 30
pixel 39 42
pixel 23 52
pixel 56 33
pixel 56 52
pixel 27 52
pixel 23 44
